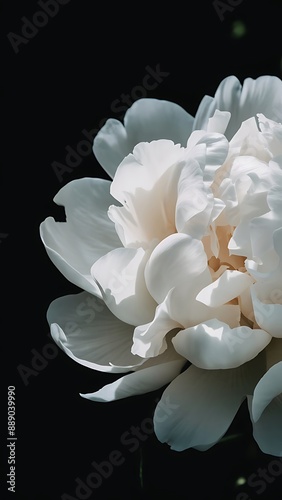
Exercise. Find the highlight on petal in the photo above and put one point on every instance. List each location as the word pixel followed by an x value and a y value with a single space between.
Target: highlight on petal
pixel 268 388
pixel 145 121
pixel 198 406
pixel 219 121
pixel 228 286
pixel 143 185
pixel 214 345
pixel 149 339
pixel 139 382
pixel 210 150
pixel 120 277
pixel 85 329
pixel 73 246
pixel 176 260
pixel 141 169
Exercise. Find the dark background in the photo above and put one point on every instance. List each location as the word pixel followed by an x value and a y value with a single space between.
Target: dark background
pixel 62 81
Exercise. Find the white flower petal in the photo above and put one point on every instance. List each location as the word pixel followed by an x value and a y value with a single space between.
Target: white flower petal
pixel 178 259
pixel 141 382
pixel 227 287
pixel 194 201
pixel 214 345
pixel 268 388
pixel 266 225
pixel 242 101
pixel 144 185
pixel 205 111
pixel 197 408
pixel 248 141
pixel 146 120
pixel 141 169
pixel 152 375
pixel 74 245
pixel 111 145
pixel 152 119
pixel 219 121
pixel 272 132
pixel 273 353
pixel 226 192
pixel 271 279
pixel 267 431
pixel 179 264
pixel 120 276
pixel 267 315
pixel 149 339
pixel 212 156
pixel 85 329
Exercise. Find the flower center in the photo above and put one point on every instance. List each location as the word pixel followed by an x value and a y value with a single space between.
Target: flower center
pixel 223 259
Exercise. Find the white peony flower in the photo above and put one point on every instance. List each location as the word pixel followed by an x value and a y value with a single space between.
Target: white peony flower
pixel 180 260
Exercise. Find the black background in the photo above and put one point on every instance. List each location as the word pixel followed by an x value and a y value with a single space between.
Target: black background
pixel 62 81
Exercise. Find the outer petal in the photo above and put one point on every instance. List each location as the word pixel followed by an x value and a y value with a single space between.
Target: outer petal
pixel 266 411
pixel 262 95
pixel 111 145
pixel 85 329
pixel 213 345
pixel 120 275
pixel 146 120
pixel 268 388
pixel 74 245
pixel 151 376
pixel 151 119
pixel 267 430
pixel 203 404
